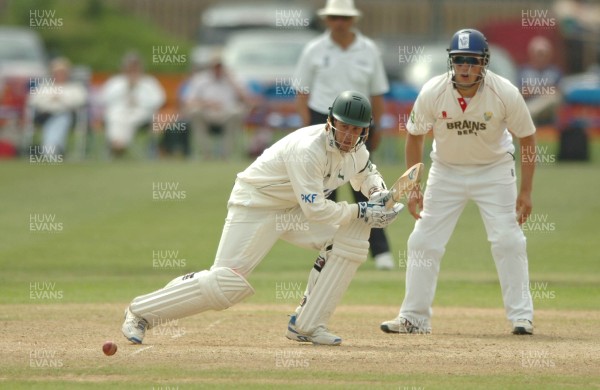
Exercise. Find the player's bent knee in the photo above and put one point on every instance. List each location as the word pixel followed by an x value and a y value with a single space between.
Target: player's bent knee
pixel 193 293
pixel 510 240
pixel 350 249
pixel 225 287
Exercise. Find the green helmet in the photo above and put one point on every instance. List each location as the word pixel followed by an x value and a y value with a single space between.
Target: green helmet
pixel 353 108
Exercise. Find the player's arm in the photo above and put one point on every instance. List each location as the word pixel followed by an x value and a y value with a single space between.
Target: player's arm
pixel 367 180
pixel 302 108
pixel 528 158
pixel 304 78
pixel 414 149
pixel 306 176
pixel 522 127
pixel 421 121
pixel 378 107
pixel 414 154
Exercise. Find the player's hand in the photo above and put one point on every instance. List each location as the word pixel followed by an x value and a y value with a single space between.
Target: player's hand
pixel 524 207
pixel 415 202
pixel 380 197
pixel 377 215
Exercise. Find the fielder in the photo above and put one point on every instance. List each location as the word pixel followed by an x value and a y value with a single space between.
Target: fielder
pixel 288 182
pixel 473 114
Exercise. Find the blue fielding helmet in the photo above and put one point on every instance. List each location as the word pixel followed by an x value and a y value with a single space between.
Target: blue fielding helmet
pixel 470 41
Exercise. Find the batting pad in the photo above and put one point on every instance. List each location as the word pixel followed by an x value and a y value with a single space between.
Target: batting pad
pixel 216 289
pixel 350 250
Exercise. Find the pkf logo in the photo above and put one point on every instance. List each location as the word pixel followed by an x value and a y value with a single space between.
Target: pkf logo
pixel 308 198
pixel 463 41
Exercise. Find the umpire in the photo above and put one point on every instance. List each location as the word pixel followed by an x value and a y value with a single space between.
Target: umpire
pixel 340 59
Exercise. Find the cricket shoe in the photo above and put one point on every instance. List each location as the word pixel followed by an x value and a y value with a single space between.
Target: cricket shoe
pixel 384 261
pixel 522 326
pixel 402 325
pixel 319 336
pixel 134 327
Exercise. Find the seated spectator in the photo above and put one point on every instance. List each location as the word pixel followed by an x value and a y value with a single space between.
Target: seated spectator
pixel 215 104
pixel 130 101
pixel 54 103
pixel 579 23
pixel 539 81
pixel 175 140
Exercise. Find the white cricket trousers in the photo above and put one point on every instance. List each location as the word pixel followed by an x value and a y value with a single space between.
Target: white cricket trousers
pixel 493 189
pixel 250 233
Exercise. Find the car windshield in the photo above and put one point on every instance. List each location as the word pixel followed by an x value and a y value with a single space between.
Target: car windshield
pixel 261 54
pixel 11 50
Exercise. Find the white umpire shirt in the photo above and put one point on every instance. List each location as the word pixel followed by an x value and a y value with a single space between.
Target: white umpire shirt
pixel 478 135
pixel 325 69
pixel 302 169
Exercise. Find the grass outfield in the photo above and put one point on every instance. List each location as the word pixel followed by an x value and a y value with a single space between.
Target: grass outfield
pixel 91 235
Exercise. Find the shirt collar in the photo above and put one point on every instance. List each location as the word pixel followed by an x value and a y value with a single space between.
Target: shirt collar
pixel 358 41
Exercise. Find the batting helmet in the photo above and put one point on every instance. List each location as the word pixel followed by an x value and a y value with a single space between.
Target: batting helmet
pixel 470 41
pixel 354 109
pixel 351 107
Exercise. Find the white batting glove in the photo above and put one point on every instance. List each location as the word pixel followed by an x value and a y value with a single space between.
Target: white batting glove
pixel 380 197
pixel 377 215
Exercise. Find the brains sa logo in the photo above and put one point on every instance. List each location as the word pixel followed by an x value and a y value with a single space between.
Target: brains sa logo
pixel 463 41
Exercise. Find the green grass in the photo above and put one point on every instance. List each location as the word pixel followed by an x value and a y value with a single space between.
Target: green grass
pixel 229 379
pixel 111 226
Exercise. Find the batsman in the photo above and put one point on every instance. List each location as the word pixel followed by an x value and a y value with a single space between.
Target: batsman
pixel 290 181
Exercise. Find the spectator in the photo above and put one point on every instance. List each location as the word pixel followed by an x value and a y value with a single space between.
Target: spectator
pixel 579 21
pixel 539 81
pixel 214 102
pixel 342 58
pixel 54 104
pixel 176 138
pixel 130 100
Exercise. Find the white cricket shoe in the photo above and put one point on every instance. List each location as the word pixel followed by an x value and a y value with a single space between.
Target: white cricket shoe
pixel 522 326
pixel 402 325
pixel 134 327
pixel 384 261
pixel 319 336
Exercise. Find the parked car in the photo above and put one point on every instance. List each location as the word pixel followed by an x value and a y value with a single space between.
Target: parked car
pixel 221 20
pixel 264 62
pixel 22 52
pixel 23 63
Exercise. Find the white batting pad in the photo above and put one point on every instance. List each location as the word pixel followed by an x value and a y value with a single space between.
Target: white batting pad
pixel 350 250
pixel 191 294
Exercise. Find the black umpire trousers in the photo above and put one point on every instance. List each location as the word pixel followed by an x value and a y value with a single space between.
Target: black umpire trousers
pixel 377 240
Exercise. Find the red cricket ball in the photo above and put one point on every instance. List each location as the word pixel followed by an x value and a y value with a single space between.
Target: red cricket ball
pixel 109 348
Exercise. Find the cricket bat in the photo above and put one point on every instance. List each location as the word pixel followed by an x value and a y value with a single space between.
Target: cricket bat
pixel 405 183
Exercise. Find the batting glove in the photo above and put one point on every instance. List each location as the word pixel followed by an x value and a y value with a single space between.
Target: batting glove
pixel 377 215
pixel 380 197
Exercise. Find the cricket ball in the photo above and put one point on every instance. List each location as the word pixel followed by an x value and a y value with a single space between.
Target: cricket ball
pixel 109 348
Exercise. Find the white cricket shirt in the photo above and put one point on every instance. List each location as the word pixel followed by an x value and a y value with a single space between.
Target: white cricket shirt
pixel 325 69
pixel 479 134
pixel 303 168
pixel 205 86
